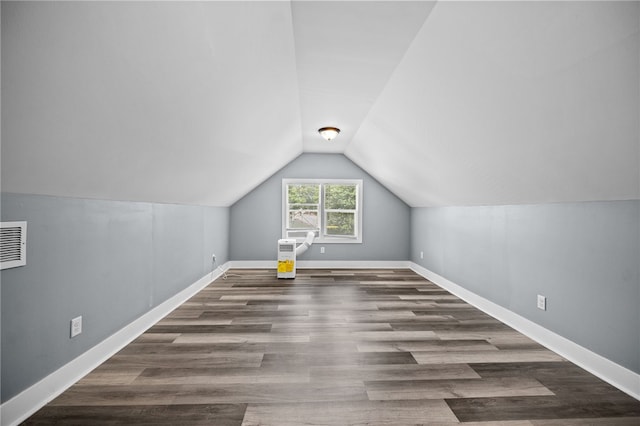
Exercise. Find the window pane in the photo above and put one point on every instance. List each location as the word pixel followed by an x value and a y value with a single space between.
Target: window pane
pixel 303 218
pixel 331 208
pixel 340 197
pixel 303 194
pixel 341 224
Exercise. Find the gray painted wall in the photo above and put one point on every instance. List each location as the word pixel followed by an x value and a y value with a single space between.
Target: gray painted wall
pixel 109 261
pixel 583 257
pixel 256 219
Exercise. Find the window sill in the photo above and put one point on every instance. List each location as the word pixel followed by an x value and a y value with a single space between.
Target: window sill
pixel 331 240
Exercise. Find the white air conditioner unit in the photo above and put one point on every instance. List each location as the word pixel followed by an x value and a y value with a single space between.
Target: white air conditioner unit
pixel 287 258
pixel 13 244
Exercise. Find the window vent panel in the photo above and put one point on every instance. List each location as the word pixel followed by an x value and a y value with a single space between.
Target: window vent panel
pixel 13 244
pixel 288 248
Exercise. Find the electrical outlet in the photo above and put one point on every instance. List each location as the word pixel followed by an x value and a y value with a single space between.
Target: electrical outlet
pixel 421 255
pixel 321 250
pixel 213 256
pixel 542 302
pixel 76 326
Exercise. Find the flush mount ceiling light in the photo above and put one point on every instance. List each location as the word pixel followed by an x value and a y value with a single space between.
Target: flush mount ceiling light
pixel 329 132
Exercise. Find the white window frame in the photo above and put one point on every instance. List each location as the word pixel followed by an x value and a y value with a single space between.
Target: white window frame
pixel 321 236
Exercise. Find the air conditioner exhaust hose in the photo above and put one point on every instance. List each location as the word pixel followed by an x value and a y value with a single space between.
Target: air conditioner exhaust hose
pixel 306 244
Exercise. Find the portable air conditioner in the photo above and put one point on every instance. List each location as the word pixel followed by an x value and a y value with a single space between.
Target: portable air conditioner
pixel 287 252
pixel 287 258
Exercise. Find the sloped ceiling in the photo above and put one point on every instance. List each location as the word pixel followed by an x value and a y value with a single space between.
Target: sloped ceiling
pixel 511 103
pixel 448 103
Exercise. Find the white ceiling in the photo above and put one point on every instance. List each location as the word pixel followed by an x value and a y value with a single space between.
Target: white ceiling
pixel 448 103
pixel 345 54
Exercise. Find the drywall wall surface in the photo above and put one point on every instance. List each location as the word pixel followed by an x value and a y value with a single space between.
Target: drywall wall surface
pixel 511 102
pixel 583 257
pixel 108 261
pixel 200 98
pixel 176 235
pixel 256 219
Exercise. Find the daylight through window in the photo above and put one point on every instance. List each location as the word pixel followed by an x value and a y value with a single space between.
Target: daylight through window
pixel 329 208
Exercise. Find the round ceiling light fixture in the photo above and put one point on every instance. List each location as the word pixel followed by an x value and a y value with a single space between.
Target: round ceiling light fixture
pixel 329 132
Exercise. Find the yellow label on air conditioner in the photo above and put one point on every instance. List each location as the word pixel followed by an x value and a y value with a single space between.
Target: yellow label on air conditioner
pixel 289 265
pixel 282 266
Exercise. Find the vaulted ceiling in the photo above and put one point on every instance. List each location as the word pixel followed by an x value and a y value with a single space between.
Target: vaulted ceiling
pixel 445 103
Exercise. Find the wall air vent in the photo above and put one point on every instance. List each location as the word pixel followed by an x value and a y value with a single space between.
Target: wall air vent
pixel 13 244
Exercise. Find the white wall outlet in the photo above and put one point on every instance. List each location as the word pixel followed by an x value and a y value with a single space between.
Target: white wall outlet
pixel 421 255
pixel 542 302
pixel 321 250
pixel 76 326
pixel 213 257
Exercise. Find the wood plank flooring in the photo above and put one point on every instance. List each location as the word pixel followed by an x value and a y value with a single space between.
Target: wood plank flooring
pixel 335 347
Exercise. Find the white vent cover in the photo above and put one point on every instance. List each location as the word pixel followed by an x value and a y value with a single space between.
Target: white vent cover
pixel 286 248
pixel 13 244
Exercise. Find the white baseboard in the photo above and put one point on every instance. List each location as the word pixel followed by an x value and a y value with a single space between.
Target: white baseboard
pixel 26 403
pixel 612 373
pixel 328 264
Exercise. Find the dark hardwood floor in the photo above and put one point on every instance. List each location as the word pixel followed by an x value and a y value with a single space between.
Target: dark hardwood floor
pixel 335 347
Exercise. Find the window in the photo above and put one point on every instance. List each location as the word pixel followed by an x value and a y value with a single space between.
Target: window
pixel 331 208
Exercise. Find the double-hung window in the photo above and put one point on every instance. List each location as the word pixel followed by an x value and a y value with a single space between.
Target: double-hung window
pixel 331 208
